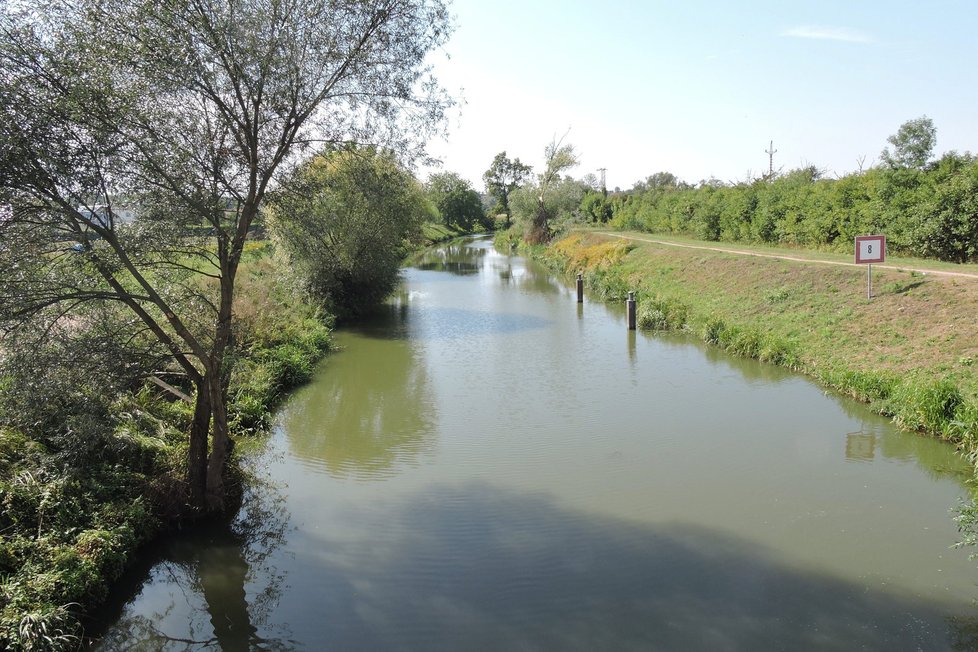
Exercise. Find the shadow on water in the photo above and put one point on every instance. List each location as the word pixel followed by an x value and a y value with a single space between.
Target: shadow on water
pixel 473 567
pixel 387 321
pixel 520 572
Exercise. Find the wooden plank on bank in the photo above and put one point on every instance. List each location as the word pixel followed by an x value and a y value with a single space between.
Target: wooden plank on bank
pixel 170 388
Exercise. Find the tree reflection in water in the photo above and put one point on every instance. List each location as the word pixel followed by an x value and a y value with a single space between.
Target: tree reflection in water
pixel 460 259
pixel 371 411
pixel 216 586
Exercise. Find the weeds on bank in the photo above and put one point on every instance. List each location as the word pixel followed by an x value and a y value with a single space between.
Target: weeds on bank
pixel 659 314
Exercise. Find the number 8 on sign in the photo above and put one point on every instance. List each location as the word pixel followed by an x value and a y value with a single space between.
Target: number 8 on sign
pixel 870 249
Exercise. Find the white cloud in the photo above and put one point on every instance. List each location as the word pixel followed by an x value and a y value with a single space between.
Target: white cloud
pixel 829 34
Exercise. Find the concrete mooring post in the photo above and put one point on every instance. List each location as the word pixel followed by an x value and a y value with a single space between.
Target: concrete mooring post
pixel 580 287
pixel 630 311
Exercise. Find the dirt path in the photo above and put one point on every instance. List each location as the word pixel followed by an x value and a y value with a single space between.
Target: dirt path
pixel 741 252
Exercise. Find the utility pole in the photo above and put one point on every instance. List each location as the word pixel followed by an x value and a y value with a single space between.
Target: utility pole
pixel 770 151
pixel 604 188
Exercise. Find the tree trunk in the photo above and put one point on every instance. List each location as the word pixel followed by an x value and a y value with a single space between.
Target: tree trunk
pixel 197 455
pixel 221 445
pixel 539 231
pixel 217 375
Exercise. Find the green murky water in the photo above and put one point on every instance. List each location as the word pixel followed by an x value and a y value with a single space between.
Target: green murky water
pixel 487 465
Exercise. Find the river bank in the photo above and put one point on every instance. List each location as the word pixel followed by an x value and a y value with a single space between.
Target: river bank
pixel 79 505
pixel 909 351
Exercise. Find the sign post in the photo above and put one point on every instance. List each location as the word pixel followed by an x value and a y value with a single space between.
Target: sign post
pixel 870 249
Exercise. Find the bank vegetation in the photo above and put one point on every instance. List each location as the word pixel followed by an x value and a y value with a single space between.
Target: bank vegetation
pixel 909 352
pixel 93 461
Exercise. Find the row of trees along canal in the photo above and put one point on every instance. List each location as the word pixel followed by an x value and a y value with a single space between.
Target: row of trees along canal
pixel 927 207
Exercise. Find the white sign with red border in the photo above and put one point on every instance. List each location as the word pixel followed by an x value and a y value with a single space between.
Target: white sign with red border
pixel 870 249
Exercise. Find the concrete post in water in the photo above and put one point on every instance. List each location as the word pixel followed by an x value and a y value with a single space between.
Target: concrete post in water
pixel 630 311
pixel 580 287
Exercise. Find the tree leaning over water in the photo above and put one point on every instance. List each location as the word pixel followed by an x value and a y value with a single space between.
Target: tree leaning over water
pixel 183 114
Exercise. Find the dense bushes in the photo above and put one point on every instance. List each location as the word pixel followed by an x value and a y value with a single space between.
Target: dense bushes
pixel 930 212
pixel 73 515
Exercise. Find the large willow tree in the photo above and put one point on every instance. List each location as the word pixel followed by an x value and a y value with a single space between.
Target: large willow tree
pixel 147 133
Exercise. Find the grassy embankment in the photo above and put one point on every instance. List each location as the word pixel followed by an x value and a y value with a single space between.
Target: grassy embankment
pixel 434 232
pixel 75 512
pixel 911 352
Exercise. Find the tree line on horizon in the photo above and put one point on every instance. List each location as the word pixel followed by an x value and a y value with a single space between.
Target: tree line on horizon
pixel 926 207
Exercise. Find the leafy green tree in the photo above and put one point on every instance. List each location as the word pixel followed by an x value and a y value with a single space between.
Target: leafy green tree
pixel 457 203
pixel 562 203
pixel 736 213
pixel 913 144
pixel 186 114
pixel 947 222
pixel 660 181
pixel 595 207
pixel 502 177
pixel 707 207
pixel 344 218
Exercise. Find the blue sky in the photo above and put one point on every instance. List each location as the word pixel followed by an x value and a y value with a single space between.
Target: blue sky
pixel 699 88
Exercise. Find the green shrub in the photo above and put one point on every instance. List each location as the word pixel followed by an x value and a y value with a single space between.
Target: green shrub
pixel 713 330
pixel 650 318
pixel 930 407
pixel 609 284
pixel 779 352
pixel 746 343
pixel 46 628
pixel 728 336
pixel 928 212
pixel 659 314
pixel 964 429
pixel 866 386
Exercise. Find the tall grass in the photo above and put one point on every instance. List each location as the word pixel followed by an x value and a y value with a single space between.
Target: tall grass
pixel 661 314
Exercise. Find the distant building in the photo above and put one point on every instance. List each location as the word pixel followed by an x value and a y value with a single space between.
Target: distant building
pixel 100 214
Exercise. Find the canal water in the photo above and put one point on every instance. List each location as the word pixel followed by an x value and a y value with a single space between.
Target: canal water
pixel 487 465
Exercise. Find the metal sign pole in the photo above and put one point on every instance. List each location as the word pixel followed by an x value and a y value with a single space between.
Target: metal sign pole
pixel 869 281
